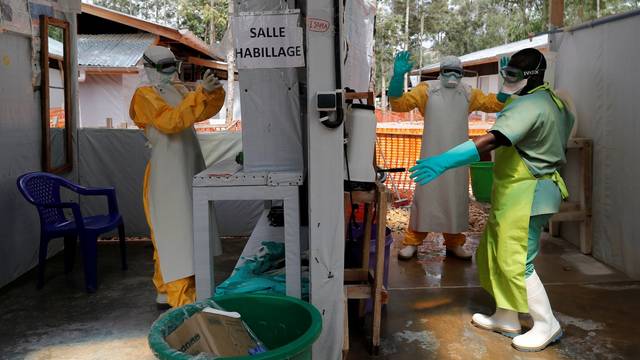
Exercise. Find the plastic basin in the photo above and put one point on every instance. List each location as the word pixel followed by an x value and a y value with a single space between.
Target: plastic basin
pixel 482 180
pixel 287 326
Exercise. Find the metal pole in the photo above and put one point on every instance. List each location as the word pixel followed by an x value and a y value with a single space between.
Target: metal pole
pixel 406 34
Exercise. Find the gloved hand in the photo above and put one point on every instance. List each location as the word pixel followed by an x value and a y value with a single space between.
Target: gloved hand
pixel 428 169
pixel 210 82
pixel 401 65
pixel 504 61
pixel 502 97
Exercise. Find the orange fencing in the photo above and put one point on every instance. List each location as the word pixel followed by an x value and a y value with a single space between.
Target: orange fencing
pixel 397 148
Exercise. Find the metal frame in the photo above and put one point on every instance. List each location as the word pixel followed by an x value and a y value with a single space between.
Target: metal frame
pixel 206 234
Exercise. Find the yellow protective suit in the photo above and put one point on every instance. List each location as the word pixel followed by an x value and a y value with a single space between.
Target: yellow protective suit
pixel 418 98
pixel 149 109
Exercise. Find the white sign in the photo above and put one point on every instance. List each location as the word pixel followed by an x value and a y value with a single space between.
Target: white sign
pixel 268 41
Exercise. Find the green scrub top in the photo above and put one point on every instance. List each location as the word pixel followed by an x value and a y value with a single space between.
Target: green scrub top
pixel 539 129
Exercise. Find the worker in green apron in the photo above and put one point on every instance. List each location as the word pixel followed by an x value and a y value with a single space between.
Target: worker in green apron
pixel 530 138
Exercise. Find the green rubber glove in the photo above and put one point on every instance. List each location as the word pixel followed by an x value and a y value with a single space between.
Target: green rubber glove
pixel 401 65
pixel 502 97
pixel 428 169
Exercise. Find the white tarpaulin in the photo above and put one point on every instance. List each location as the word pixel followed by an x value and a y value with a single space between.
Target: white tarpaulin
pixel 268 40
pixel 117 157
pixel 598 67
pixel 358 26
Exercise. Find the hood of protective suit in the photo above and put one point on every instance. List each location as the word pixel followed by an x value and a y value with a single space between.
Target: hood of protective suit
pixel 157 54
pixel 450 80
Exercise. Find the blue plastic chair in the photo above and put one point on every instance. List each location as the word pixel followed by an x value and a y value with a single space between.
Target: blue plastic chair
pixel 43 191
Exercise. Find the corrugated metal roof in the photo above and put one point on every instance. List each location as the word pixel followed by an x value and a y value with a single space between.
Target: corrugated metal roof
pixel 493 54
pixel 112 50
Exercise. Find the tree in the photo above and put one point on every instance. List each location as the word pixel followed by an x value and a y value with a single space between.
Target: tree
pixel 388 40
pixel 198 16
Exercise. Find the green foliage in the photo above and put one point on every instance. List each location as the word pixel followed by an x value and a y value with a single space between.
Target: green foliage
pixel 458 27
pixel 56 33
pixel 194 15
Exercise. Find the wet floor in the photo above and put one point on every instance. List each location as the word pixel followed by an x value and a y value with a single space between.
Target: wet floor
pixel 431 302
pixel 433 297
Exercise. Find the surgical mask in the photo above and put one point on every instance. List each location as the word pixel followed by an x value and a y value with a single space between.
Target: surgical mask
pixel 513 88
pixel 158 78
pixel 450 77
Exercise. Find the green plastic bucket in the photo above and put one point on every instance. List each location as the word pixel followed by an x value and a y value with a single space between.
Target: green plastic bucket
pixel 287 326
pixel 482 180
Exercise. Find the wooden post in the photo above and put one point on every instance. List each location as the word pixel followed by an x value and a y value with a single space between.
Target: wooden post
pixel 556 14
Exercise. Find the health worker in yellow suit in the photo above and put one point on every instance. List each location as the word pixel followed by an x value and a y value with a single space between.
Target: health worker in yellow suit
pixel 167 112
pixel 445 104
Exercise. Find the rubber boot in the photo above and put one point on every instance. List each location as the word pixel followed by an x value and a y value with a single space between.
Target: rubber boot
pixel 407 252
pixel 503 321
pixel 546 328
pixel 460 252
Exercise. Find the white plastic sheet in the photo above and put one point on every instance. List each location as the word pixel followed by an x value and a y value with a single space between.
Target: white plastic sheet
pixel 115 157
pixel 597 66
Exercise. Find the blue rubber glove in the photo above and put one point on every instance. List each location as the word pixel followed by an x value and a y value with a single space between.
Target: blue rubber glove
pixel 502 97
pixel 428 169
pixel 401 65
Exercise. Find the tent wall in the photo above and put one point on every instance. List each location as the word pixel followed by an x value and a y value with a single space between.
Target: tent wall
pixel 598 68
pixel 20 151
pixel 106 96
pixel 118 157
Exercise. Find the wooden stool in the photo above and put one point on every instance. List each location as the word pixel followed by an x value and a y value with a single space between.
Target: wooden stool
pixel 361 283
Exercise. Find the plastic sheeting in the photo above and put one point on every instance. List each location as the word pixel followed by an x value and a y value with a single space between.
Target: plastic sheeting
pixel 117 157
pixel 106 96
pixel 271 119
pixel 358 26
pixel 20 152
pixel 597 66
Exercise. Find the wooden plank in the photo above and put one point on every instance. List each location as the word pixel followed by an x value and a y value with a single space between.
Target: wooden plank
pixel 109 70
pixel 569 206
pixel 363 292
pixel 363 197
pixel 356 275
pixel 366 244
pixel 586 228
pixel 208 63
pixel 345 344
pixel 569 216
pixel 556 13
pixel 379 274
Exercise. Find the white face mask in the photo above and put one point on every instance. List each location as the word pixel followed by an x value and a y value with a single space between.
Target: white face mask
pixel 449 81
pixel 157 78
pixel 513 88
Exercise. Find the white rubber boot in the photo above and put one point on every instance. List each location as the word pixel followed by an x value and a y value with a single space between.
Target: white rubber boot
pixel 407 252
pixel 460 252
pixel 546 329
pixel 503 321
pixel 162 302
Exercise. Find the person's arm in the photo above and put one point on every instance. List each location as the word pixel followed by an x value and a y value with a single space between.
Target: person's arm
pixel 480 101
pixel 511 126
pixel 415 98
pixel 149 108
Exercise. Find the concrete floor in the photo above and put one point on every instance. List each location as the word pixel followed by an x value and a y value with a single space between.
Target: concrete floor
pixel 431 302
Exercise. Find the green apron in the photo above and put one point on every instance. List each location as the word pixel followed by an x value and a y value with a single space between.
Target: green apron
pixel 502 253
